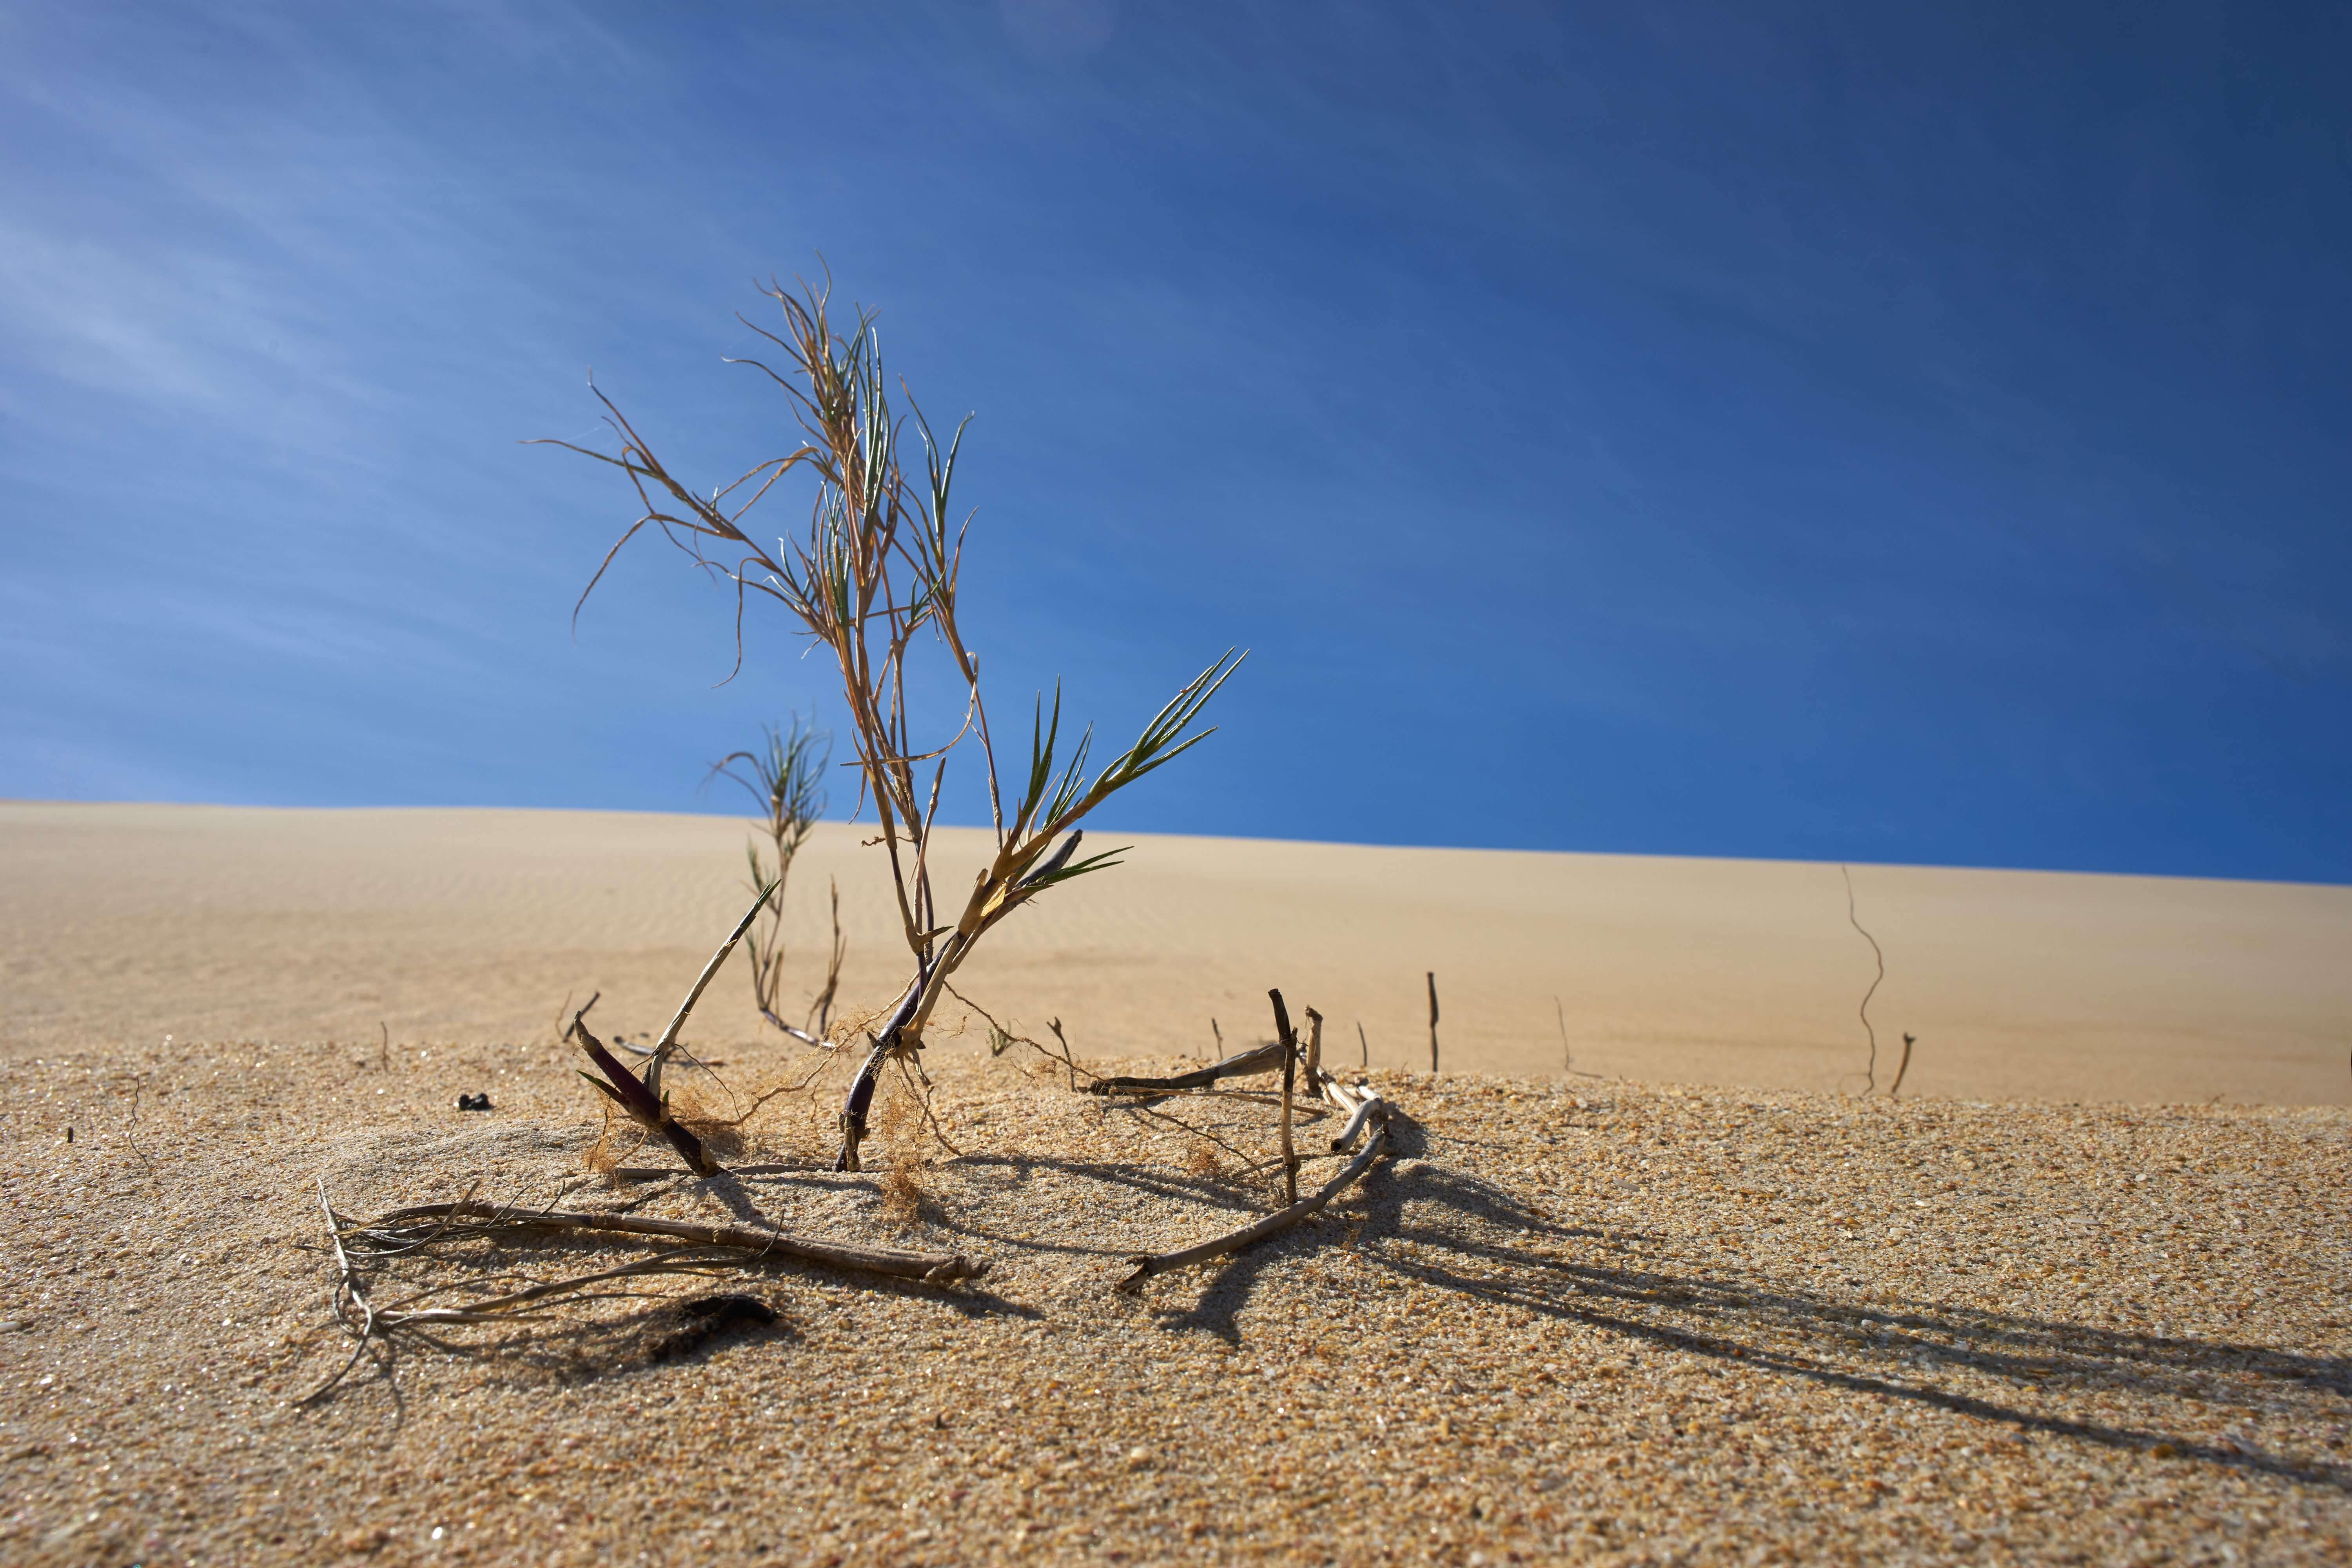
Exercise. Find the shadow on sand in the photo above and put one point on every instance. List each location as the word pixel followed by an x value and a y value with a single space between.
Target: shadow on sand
pixel 1473 1237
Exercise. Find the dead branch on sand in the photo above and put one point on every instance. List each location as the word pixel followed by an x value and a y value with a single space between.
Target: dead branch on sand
pixel 1289 1083
pixel 1246 1064
pixel 685 1246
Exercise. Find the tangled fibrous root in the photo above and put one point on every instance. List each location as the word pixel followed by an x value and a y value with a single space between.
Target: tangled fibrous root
pixel 904 1197
pixel 722 1136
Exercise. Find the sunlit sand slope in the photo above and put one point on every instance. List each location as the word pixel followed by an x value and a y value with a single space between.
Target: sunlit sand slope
pixel 122 923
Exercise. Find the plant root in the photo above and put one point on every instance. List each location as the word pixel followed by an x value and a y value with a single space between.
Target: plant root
pixel 931 1267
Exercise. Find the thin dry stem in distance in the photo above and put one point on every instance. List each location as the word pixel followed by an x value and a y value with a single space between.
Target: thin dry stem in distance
pixel 1289 1044
pixel 879 564
pixel 1432 1024
pixel 1894 1089
pixel 1871 1072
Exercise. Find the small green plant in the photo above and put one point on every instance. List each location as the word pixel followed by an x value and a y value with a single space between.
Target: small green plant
pixel 785 776
pixel 876 576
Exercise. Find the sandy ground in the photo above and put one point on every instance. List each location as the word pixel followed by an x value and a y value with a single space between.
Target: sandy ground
pixel 1601 1319
pixel 121 924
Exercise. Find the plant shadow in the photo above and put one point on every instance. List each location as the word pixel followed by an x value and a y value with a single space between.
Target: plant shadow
pixel 1466 1235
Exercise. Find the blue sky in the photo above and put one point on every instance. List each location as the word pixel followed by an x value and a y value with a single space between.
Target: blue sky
pixel 1868 433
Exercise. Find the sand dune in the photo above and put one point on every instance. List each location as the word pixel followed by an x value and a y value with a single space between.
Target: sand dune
pixel 1568 1318
pixel 122 923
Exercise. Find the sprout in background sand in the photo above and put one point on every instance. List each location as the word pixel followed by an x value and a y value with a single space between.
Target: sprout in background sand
pixel 784 778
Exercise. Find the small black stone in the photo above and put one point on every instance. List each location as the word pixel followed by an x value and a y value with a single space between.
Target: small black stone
pixel 473 1102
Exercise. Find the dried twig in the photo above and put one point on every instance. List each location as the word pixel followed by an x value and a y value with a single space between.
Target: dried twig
pixel 822 1007
pixel 1246 1064
pixel 131 1136
pixel 911 1071
pixel 1363 1113
pixel 555 1292
pixel 1067 1059
pixel 1289 1077
pixel 1001 1039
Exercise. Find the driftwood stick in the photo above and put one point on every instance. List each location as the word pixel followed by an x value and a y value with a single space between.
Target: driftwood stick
pixel 1246 1064
pixel 932 1267
pixel 1289 1044
pixel 1272 1224
pixel 1314 1048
